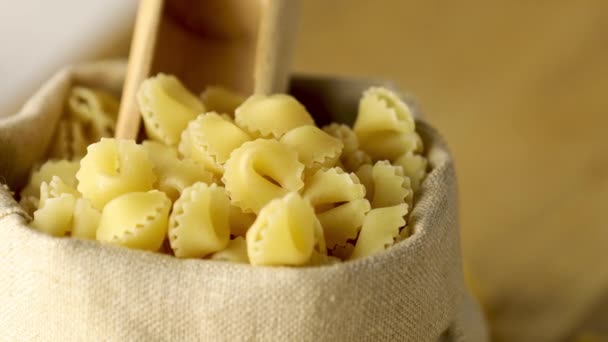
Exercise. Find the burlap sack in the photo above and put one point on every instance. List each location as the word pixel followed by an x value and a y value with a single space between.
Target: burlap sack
pixel 62 289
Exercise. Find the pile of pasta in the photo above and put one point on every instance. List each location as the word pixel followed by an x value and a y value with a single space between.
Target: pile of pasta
pixel 249 180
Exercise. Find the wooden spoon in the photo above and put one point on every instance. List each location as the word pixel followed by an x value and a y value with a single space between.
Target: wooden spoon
pixel 243 45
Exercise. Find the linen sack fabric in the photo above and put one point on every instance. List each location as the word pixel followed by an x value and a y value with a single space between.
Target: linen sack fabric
pixel 69 289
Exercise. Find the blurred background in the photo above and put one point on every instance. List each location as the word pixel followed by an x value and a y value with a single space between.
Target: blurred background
pixel 518 88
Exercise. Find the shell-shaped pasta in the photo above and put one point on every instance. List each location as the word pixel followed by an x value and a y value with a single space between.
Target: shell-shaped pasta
pixel 284 233
pixel 382 110
pixel 414 167
pixel 55 188
pixel 199 223
pixel 235 251
pixel 113 167
pixel 136 220
pixel 390 186
pixel 55 217
pixel 166 107
pixel 215 136
pixel 260 171
pixel 343 252
pixel 85 220
pixel 240 221
pixel 365 175
pixel 345 134
pixel 272 116
pixel 221 100
pixel 352 161
pixel 379 231
pixel 343 222
pixel 389 145
pixel 187 149
pixel 333 186
pixel 64 169
pixel 174 174
pixel 314 146
pixel 95 108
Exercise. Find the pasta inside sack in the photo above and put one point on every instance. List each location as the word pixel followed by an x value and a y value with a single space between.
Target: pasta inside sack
pixel 136 220
pixel 231 179
pixel 200 221
pixel 260 171
pixel 166 107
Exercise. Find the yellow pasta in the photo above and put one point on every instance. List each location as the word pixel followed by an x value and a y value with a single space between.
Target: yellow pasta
pixel 381 110
pixel 95 108
pixel 221 100
pixel 333 186
pixel 199 224
pixel 53 189
pixel 64 169
pixel 389 145
pixel 272 116
pixel 345 134
pixel 314 147
pixel 260 171
pixel 240 221
pixel 343 222
pixel 352 161
pixel 284 233
pixel 174 174
pixel 85 220
pixel 136 220
pixel 214 137
pixel 414 167
pixel 167 107
pixel 113 167
pixel 236 251
pixel 55 216
pixel 187 149
pixel 390 186
pixel 379 231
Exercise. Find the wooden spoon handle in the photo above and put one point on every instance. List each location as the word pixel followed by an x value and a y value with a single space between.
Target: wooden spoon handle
pixel 140 61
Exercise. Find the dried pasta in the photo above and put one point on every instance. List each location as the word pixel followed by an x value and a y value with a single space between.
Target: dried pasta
pixel 113 167
pixel 235 251
pixel 85 220
pixel 167 107
pixel 94 108
pixel 389 145
pixel 64 169
pixel 53 189
pixel 174 174
pixel 382 110
pixel 315 148
pixel 188 150
pixel 260 171
pixel 240 221
pixel 333 186
pixel 200 222
pixel 390 186
pixel 272 116
pixel 345 134
pixel 414 167
pixel 221 100
pixel 136 220
pixel 284 233
pixel 55 216
pixel 343 222
pixel 380 229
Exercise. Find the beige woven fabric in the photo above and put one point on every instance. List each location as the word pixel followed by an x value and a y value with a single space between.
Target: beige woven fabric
pixel 68 290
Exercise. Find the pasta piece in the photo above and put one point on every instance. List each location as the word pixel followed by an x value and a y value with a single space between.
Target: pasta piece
pixel 343 222
pixel 78 142
pixel 333 186
pixel 389 145
pixel 95 108
pixel 404 234
pixel 53 189
pixel 55 217
pixel 381 110
pixel 345 134
pixel 221 100
pixel 314 147
pixel 113 167
pixel 240 221
pixel 199 223
pixel 260 171
pixel 379 231
pixel 272 116
pixel 343 252
pixel 136 220
pixel 173 174
pixel 85 220
pixel 166 107
pixel 414 167
pixel 284 233
pixel 236 251
pixel 354 160
pixel 187 149
pixel 215 136
pixel 64 169
pixel 390 186
pixel 365 175
pixel 60 148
